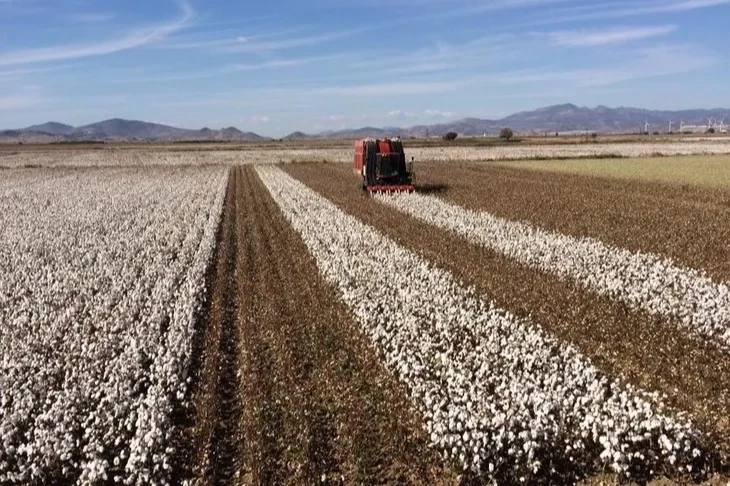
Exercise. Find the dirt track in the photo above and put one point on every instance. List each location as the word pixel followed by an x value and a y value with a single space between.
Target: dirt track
pixel 288 390
pixel 648 353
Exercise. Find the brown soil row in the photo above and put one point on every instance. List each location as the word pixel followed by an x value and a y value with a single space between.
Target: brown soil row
pixel 290 392
pixel 689 224
pixel 641 349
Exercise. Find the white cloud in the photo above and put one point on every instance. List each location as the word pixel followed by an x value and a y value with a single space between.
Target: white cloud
pixel 439 114
pixel 402 115
pixel 260 119
pixel 134 39
pixel 618 35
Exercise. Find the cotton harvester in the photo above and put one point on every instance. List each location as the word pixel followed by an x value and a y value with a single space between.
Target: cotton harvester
pixel 382 165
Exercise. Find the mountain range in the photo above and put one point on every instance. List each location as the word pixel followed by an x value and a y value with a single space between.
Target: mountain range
pixel 557 118
pixel 122 130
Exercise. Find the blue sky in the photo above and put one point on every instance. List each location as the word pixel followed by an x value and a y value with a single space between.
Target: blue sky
pixel 282 65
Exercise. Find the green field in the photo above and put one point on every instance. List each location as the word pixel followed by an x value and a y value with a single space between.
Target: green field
pixel 709 171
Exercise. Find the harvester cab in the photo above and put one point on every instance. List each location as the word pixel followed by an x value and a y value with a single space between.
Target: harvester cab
pixel 382 165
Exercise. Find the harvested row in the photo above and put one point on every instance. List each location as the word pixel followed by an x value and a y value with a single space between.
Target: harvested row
pixel 633 345
pixel 641 280
pixel 294 394
pixel 103 275
pixel 497 395
pixel 209 427
pixel 690 225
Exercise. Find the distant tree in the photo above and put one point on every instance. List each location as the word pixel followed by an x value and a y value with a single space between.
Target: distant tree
pixel 506 134
pixel 594 135
pixel 656 133
pixel 450 136
pixel 711 130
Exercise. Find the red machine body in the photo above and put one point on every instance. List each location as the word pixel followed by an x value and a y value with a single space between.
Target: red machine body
pixel 382 165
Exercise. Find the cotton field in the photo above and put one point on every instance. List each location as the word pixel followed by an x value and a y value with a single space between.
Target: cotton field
pixel 493 390
pixel 228 317
pixel 103 274
pixel 275 155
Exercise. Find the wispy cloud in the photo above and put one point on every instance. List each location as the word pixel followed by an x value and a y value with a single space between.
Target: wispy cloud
pixel 285 63
pixel 90 17
pixel 390 89
pixel 234 37
pixel 644 63
pixel 289 43
pixel 14 75
pixel 616 35
pixel 135 39
pixel 614 10
pixel 684 5
pixel 275 64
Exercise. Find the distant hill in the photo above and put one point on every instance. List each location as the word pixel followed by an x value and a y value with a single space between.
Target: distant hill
pixel 118 129
pixel 51 128
pixel 557 118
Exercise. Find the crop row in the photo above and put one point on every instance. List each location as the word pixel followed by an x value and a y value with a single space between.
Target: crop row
pixel 103 273
pixel 497 395
pixel 642 280
pixel 275 155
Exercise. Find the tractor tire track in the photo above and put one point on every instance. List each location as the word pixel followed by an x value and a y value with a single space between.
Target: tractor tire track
pixel 213 444
pixel 633 345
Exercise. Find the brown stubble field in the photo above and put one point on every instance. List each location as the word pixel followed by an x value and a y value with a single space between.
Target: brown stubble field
pixel 289 391
pixel 642 349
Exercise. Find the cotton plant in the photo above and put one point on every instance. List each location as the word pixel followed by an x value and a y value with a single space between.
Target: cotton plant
pixel 644 281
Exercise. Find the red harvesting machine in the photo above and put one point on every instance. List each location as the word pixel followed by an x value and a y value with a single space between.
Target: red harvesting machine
pixel 382 165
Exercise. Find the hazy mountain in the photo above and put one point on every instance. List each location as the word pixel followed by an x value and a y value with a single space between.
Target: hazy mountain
pixel 51 128
pixel 119 130
pixel 557 118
